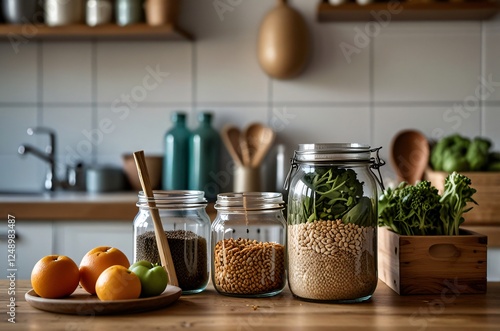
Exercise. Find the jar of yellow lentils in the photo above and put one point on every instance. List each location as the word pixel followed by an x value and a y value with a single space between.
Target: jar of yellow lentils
pixel 332 222
pixel 248 244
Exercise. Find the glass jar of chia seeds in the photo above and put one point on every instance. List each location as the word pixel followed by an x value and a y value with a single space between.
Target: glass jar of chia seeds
pixel 248 244
pixel 187 228
pixel 332 222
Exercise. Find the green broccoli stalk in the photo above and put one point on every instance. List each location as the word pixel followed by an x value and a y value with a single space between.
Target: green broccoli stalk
pixel 457 193
pixel 411 210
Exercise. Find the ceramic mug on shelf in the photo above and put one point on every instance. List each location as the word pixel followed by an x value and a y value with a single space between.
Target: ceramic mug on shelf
pixel 19 11
pixel 99 12
pixel 128 12
pixel 161 12
pixel 64 12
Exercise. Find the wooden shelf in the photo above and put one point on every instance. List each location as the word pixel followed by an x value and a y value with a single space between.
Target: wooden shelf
pixel 101 32
pixel 434 11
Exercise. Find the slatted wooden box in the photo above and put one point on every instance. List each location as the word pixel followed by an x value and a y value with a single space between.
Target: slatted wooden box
pixel 445 265
pixel 487 184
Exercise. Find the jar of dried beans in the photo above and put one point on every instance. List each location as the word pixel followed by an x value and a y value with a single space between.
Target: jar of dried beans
pixel 332 222
pixel 248 244
pixel 187 228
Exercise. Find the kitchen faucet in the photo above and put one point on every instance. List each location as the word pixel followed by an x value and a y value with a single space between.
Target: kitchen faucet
pixel 47 156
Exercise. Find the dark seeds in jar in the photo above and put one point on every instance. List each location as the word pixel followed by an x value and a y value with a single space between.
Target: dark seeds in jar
pixel 244 266
pixel 189 254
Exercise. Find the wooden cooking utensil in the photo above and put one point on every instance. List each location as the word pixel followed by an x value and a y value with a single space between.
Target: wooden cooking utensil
pixel 260 139
pixel 231 138
pixel 161 239
pixel 284 42
pixel 410 155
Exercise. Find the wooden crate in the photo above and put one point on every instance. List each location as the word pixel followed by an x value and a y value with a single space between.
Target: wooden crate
pixel 432 264
pixel 487 184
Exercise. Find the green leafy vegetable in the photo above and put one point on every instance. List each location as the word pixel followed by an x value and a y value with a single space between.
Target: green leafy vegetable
pixel 333 193
pixel 419 209
pixel 457 193
pixel 411 210
pixel 458 153
pixel 361 214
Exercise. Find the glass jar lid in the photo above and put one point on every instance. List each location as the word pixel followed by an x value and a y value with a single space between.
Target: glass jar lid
pixel 248 201
pixel 333 152
pixel 173 199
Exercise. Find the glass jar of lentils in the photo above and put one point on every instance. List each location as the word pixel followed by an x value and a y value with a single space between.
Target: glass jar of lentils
pixel 187 228
pixel 248 244
pixel 332 222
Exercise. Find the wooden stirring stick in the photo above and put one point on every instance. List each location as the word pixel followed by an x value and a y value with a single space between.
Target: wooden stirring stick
pixel 161 239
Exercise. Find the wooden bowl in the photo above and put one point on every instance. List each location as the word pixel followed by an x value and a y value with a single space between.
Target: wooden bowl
pixel 154 164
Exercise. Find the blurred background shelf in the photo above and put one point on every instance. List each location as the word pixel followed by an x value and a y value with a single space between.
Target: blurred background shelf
pixel 404 11
pixel 101 32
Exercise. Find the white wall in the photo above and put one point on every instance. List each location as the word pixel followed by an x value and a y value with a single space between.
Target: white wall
pixel 408 75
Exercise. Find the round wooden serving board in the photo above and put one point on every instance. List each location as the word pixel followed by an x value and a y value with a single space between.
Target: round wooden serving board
pixel 82 303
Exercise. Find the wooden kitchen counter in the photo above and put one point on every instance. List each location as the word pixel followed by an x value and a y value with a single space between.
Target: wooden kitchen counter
pixel 211 311
pixel 67 206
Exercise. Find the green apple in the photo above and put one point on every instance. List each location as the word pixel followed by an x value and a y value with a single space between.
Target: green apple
pixel 154 278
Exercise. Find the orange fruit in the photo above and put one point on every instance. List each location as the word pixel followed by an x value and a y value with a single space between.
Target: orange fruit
pixel 96 261
pixel 118 283
pixel 55 276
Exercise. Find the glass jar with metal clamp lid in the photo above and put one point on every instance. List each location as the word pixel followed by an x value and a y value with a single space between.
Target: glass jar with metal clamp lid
pixel 332 222
pixel 248 244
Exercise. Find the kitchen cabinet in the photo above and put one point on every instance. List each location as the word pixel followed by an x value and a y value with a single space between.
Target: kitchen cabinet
pixel 385 12
pixel 23 32
pixel 34 239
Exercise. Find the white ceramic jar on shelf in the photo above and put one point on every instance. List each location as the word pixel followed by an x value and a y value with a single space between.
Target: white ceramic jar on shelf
pixel 99 12
pixel 58 12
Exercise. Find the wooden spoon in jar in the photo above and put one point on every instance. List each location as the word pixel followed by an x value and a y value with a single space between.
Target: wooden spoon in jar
pixel 161 238
pixel 410 155
pixel 231 138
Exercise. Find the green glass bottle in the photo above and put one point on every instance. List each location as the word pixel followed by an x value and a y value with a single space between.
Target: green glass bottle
pixel 176 158
pixel 204 147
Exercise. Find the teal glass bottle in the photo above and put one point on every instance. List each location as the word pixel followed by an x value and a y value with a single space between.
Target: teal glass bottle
pixel 204 147
pixel 176 158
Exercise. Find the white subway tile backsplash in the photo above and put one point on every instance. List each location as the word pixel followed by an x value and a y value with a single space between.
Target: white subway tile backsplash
pixel 136 129
pixel 19 72
pixel 306 125
pixel 333 74
pixel 492 125
pixel 427 61
pixel 226 51
pixel 136 72
pixel 21 173
pixel 67 72
pixel 14 122
pixel 492 60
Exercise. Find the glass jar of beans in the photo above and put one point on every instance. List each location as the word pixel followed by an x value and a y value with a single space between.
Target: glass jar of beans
pixel 248 244
pixel 332 222
pixel 187 228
